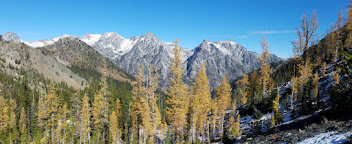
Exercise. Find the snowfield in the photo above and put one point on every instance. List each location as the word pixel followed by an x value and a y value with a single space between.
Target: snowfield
pixel 327 138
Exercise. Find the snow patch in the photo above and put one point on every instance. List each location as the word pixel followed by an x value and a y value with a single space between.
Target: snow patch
pixel 327 138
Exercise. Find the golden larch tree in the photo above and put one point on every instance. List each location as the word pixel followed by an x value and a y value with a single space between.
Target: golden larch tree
pixel 178 100
pixel 242 88
pixel 200 100
pixel 85 121
pixel 265 69
pixel 223 99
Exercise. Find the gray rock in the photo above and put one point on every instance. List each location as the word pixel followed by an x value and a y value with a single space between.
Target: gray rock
pixel 9 36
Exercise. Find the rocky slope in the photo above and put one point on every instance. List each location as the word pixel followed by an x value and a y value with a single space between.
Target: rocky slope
pixel 222 58
pixel 16 57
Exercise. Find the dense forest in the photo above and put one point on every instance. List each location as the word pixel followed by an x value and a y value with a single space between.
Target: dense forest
pixel 34 109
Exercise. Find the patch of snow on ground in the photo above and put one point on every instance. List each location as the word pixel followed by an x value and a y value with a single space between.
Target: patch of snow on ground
pixel 327 138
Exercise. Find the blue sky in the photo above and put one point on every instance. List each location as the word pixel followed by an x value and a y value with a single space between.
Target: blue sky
pixel 191 21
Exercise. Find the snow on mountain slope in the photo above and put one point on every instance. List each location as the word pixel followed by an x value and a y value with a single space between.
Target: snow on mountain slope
pixel 91 39
pixel 327 138
pixel 222 57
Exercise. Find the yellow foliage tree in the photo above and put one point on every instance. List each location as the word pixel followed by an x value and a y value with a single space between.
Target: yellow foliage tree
pixel 85 121
pixel 155 118
pixel 242 87
pixel 178 100
pixel 265 69
pixel 140 109
pixel 113 128
pixel 200 100
pixel 315 86
pixel 223 99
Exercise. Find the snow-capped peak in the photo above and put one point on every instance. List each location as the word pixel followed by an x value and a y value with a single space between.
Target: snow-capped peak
pixel 91 39
pixel 9 36
pixel 55 39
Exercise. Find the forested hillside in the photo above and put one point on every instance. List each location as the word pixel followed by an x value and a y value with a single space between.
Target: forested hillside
pixel 69 93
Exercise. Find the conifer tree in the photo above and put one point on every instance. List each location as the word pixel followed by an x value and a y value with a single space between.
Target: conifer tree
pixel 252 85
pixel 242 86
pixel 223 98
pixel 42 112
pixel 200 101
pixel 348 24
pixel 315 87
pixel 4 117
pixel 337 77
pixel 265 69
pixel 306 33
pixel 97 117
pixel 62 129
pixel 294 88
pixel 323 68
pixel 272 120
pixel 113 128
pixel 140 109
pixel 276 102
pixel 235 126
pixel 85 121
pixel 52 104
pixel 155 118
pixel 23 126
pixel 177 101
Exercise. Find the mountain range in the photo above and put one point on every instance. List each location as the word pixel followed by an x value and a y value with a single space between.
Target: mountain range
pixel 222 57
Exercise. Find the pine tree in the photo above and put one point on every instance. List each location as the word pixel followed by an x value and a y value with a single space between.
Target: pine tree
pixel 242 86
pixel 177 101
pixel 223 98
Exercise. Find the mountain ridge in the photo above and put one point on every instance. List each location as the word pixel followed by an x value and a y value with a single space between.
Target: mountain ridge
pixel 221 57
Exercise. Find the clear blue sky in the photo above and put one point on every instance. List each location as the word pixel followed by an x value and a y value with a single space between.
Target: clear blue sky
pixel 191 21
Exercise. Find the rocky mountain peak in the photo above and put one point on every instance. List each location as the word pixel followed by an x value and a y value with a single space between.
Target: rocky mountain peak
pixel 10 36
